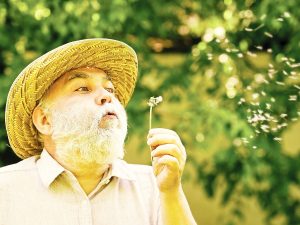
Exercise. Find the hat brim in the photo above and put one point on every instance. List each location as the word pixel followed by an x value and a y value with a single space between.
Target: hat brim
pixel 115 58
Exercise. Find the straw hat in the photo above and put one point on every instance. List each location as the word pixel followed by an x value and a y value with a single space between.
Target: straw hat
pixel 116 58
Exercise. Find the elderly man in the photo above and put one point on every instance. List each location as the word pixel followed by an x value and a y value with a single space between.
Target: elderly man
pixel 65 117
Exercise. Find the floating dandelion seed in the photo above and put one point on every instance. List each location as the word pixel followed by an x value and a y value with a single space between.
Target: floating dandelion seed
pixel 242 100
pixel 295 65
pixel 277 139
pixel 283 115
pixel 285 73
pixel 280 19
pixel 268 106
pixel 245 140
pixel 260 26
pixel 280 83
pixel 259 47
pixel 235 50
pixel 251 54
pixel 286 14
pixel 209 56
pixel 293 98
pixel 255 96
pixel 248 29
pixel 296 86
pixel 268 34
pixel 153 101
pixel 265 128
pixel 269 50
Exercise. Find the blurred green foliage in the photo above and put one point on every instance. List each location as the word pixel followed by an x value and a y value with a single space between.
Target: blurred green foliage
pixel 237 83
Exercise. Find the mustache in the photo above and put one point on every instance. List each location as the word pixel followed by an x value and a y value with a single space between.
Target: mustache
pixel 109 110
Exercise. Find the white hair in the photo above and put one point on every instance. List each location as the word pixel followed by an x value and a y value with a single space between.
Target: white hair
pixel 82 136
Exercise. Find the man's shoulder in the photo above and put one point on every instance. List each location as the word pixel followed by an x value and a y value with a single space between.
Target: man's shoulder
pixel 21 167
pixel 141 173
pixel 140 169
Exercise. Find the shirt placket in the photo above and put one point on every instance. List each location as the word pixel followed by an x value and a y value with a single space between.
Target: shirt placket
pixel 85 212
pixel 85 215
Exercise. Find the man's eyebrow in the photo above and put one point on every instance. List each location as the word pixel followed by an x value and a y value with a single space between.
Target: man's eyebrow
pixel 77 75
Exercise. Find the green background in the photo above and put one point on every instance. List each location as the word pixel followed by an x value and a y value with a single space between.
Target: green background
pixel 228 72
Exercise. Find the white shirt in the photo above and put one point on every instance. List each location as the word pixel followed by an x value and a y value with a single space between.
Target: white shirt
pixel 39 191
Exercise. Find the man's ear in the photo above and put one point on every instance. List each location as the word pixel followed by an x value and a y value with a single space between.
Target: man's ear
pixel 41 121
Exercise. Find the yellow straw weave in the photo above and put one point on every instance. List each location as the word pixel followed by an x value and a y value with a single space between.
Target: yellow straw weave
pixel 116 58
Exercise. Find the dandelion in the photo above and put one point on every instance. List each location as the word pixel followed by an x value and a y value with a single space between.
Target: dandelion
pixel 153 101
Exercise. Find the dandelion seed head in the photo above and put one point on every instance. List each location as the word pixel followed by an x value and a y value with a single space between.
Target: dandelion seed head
pixel 154 101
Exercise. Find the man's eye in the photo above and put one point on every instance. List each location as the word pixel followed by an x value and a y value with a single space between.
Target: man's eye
pixel 82 89
pixel 111 90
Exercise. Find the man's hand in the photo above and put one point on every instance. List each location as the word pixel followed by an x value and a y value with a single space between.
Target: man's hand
pixel 168 158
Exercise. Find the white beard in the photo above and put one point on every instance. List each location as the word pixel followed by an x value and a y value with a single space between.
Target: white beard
pixel 83 137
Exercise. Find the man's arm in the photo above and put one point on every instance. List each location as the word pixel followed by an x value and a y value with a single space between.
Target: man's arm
pixel 168 160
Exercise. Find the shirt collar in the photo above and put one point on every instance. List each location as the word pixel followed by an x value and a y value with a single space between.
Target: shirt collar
pixel 49 169
pixel 121 170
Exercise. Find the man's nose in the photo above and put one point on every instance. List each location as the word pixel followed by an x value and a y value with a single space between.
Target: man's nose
pixel 103 96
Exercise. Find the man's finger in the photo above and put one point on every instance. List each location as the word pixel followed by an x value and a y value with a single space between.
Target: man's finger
pixel 154 131
pixel 167 149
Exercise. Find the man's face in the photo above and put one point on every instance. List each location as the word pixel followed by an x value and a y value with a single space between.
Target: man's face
pixel 89 124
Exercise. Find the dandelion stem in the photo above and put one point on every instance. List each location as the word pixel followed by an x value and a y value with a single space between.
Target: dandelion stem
pixel 150 118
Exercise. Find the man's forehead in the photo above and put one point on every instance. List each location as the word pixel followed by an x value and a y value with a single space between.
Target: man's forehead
pixel 85 73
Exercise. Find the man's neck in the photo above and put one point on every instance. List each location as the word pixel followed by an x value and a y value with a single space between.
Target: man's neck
pixel 88 176
pixel 89 180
